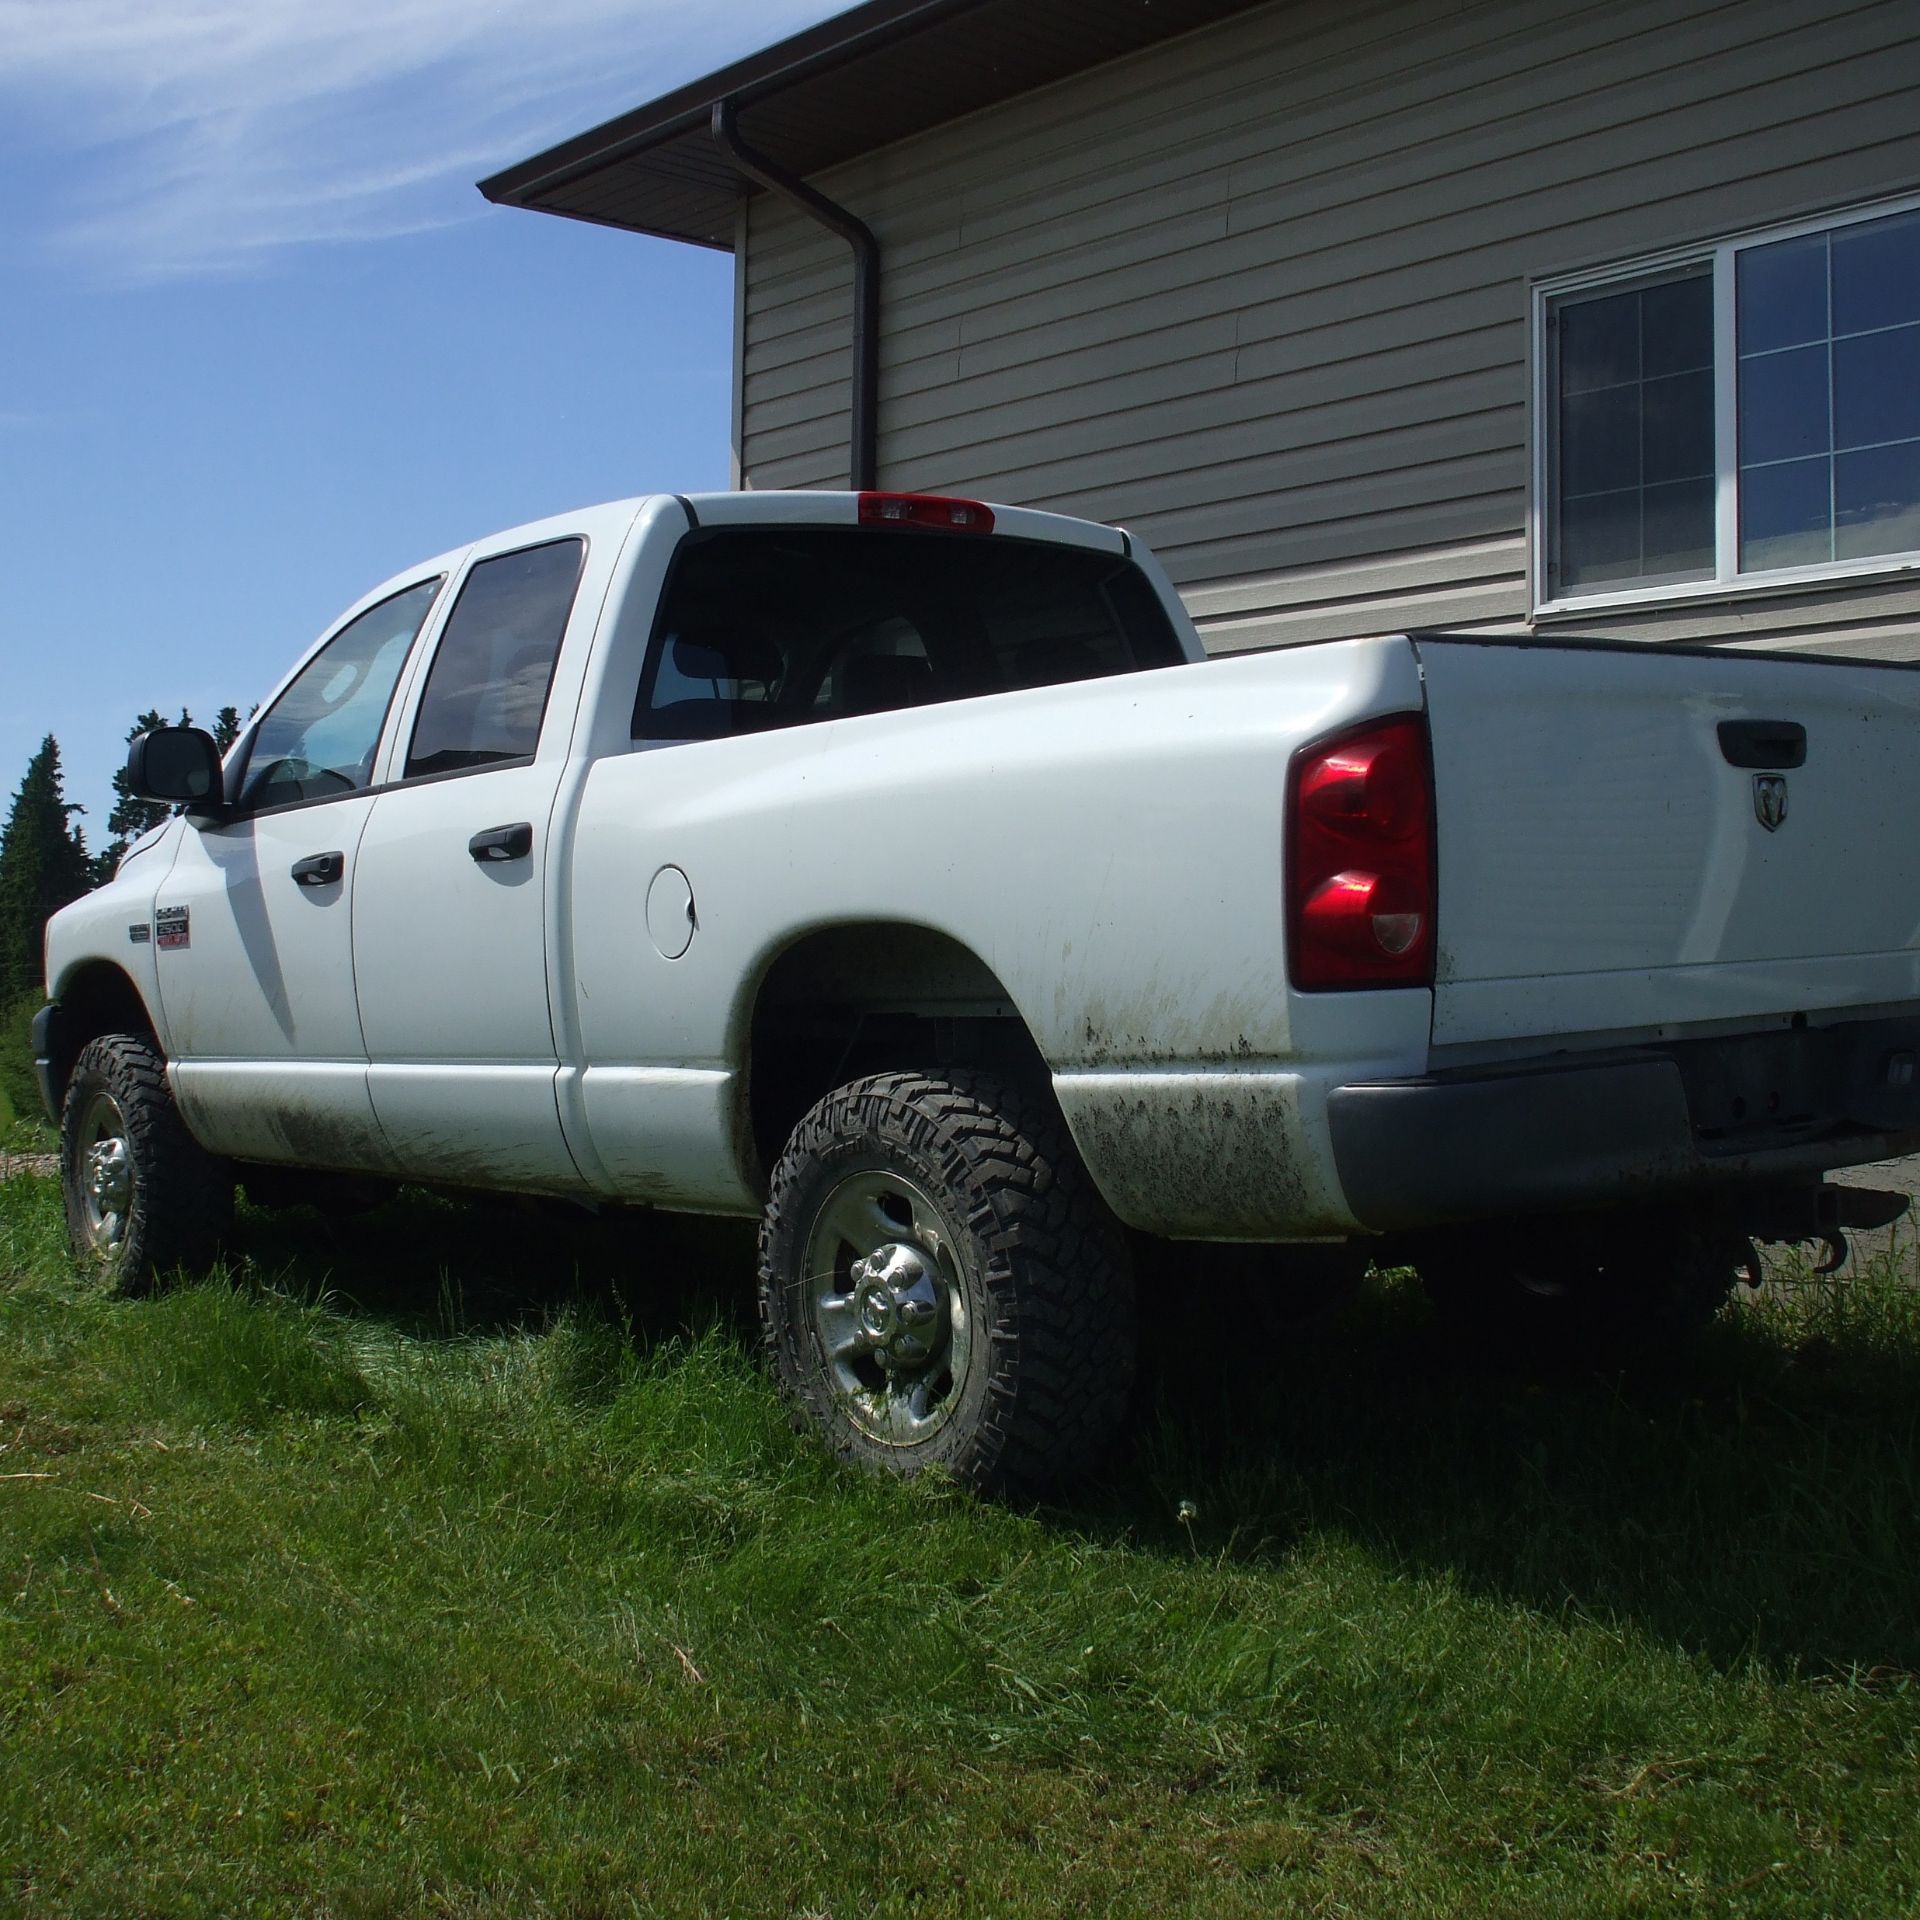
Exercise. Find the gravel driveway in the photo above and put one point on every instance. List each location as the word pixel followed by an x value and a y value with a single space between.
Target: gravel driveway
pixel 1900 1176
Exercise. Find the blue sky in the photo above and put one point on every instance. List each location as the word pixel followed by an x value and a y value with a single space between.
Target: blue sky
pixel 262 343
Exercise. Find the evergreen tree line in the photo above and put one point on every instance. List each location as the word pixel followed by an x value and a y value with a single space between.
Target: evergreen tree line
pixel 44 861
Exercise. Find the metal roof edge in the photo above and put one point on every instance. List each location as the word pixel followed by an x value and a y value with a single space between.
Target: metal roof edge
pixel 841 37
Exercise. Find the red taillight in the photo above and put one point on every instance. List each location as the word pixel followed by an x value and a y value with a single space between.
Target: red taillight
pixel 925 510
pixel 1360 870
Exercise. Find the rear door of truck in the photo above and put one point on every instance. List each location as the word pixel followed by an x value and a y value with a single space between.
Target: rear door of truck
pixel 1640 841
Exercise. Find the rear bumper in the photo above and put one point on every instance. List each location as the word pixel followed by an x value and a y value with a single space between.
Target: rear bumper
pixel 1583 1132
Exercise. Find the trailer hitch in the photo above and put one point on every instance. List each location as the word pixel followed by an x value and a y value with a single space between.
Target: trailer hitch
pixel 1823 1215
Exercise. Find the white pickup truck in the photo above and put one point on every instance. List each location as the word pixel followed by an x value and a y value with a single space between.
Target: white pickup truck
pixel 895 868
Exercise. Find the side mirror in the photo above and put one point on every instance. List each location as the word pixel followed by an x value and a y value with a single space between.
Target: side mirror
pixel 180 765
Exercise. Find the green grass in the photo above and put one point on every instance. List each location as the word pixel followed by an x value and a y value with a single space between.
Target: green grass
pixel 19 1095
pixel 453 1563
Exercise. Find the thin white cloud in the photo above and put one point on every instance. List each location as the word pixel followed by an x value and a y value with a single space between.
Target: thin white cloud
pixel 217 132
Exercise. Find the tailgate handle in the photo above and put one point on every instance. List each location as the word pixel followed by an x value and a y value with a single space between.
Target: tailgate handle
pixel 1773 745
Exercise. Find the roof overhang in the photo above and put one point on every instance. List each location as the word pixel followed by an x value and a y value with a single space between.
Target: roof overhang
pixel 876 74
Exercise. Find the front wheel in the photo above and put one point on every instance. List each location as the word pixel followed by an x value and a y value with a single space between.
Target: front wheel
pixel 941 1286
pixel 142 1195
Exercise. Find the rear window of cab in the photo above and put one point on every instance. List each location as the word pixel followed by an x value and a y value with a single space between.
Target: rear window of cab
pixel 761 628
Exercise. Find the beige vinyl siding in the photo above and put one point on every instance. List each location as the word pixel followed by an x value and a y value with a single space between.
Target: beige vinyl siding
pixel 1882 623
pixel 1261 294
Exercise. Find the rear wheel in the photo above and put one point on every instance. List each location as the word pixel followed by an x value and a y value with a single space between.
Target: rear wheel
pixel 940 1285
pixel 142 1195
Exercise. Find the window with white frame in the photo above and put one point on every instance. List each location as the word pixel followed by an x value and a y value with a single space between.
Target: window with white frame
pixel 1748 414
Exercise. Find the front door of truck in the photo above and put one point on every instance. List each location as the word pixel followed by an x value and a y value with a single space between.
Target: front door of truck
pixel 252 928
pixel 450 908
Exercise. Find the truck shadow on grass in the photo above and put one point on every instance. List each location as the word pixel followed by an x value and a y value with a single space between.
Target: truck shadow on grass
pixel 1751 1496
pixel 434 1267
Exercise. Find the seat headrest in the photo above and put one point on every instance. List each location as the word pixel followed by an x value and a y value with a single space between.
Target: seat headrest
pixel 725 653
pixel 879 682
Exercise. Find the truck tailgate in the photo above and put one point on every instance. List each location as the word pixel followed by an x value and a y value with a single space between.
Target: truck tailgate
pixel 1613 858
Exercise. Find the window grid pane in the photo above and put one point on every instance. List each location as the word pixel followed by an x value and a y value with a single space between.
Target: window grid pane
pixel 1634 453
pixel 1829 409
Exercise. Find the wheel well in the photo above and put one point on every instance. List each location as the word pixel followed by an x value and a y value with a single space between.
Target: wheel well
pixel 98 999
pixel 852 1000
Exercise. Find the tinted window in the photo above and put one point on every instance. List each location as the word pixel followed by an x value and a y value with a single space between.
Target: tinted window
pixel 1634 485
pixel 1830 395
pixel 320 736
pixel 764 628
pixel 487 689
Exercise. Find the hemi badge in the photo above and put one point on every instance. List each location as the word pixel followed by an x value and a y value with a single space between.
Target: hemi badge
pixel 139 933
pixel 171 927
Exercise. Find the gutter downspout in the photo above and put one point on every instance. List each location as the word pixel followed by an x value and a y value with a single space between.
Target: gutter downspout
pixel 863 452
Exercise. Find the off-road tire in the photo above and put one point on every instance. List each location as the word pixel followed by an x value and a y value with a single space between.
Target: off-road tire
pixel 1039 1264
pixel 1631 1285
pixel 179 1201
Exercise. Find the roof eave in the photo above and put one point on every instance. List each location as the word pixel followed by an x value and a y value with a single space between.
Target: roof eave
pixel 831 41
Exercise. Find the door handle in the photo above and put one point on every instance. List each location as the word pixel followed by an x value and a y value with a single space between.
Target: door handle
pixel 319 869
pixel 502 843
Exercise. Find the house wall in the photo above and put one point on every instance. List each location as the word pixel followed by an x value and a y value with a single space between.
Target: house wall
pixel 1261 294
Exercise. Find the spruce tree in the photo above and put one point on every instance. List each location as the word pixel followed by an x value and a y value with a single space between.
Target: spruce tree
pixel 43 865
